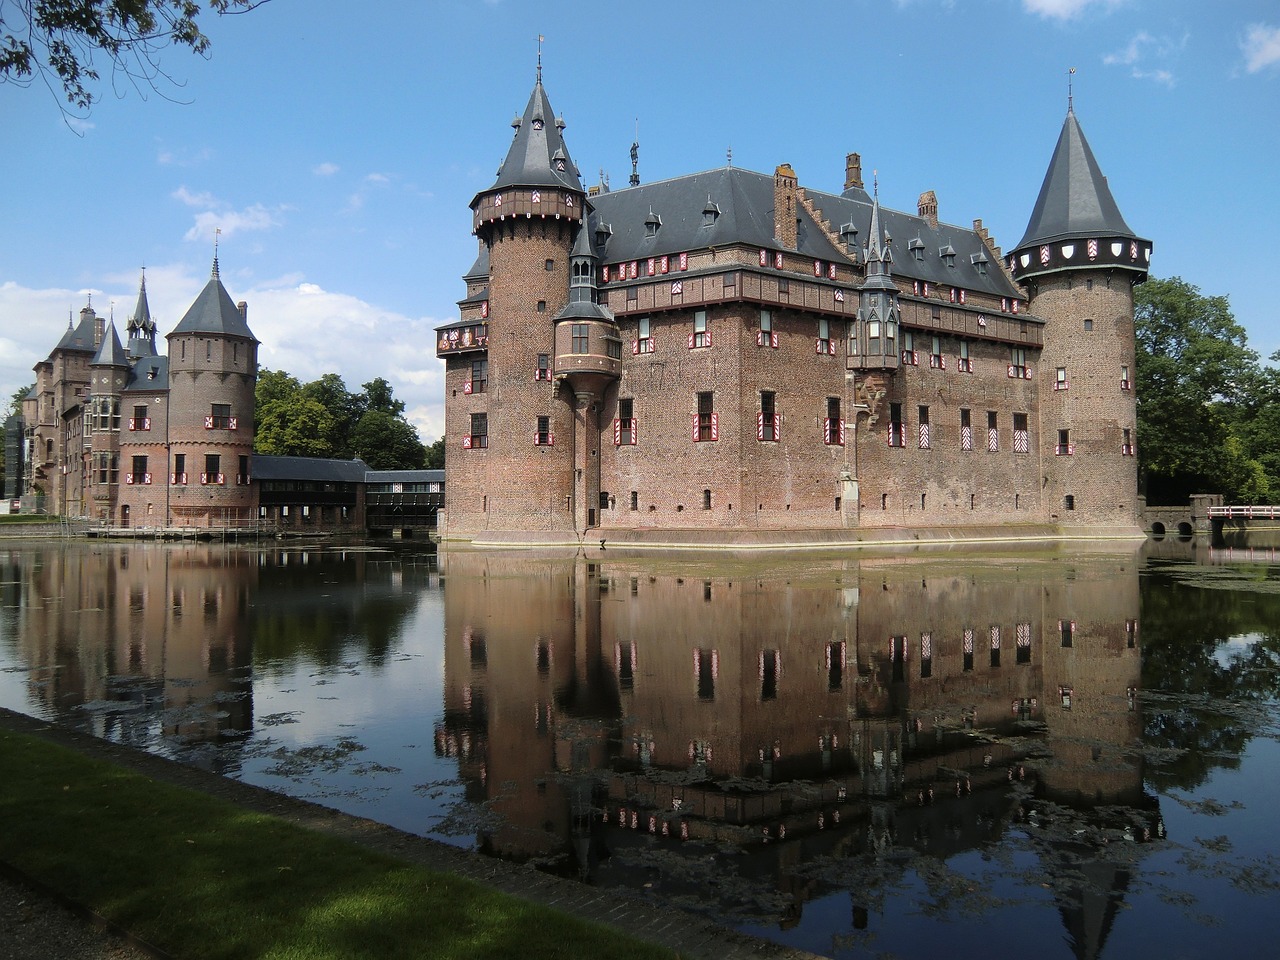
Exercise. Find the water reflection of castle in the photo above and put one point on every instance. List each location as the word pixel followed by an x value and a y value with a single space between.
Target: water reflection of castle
pixel 801 712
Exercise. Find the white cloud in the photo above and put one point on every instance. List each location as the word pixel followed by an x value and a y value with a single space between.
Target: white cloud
pixel 1142 49
pixel 1064 9
pixel 325 169
pixel 217 215
pixel 1261 47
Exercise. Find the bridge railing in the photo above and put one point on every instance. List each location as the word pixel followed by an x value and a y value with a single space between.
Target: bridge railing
pixel 1246 513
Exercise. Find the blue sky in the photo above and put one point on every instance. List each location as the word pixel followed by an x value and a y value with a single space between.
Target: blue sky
pixel 338 152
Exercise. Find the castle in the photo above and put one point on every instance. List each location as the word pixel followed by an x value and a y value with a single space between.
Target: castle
pixel 730 351
pixel 126 436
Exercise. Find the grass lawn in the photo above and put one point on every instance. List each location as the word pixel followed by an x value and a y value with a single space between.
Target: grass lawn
pixel 200 878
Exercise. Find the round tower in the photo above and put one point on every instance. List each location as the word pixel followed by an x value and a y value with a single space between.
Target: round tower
pixel 213 372
pixel 514 467
pixel 1079 262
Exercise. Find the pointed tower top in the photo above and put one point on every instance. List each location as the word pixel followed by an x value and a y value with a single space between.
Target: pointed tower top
pixel 538 156
pixel 141 318
pixel 216 233
pixel 1075 201
pixel 111 352
pixel 214 312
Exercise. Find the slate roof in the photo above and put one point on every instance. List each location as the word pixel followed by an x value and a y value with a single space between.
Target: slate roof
pixel 1075 201
pixel 264 467
pixel 80 337
pixel 214 312
pixel 404 476
pixel 149 373
pixel 745 203
pixel 537 146
pixel 111 353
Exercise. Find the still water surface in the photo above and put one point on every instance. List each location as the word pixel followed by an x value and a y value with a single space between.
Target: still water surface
pixel 1074 752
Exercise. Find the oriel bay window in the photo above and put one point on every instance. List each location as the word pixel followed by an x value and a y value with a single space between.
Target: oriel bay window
pixel 706 425
pixel 624 427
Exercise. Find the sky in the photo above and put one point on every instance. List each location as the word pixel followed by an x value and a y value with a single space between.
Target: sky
pixel 337 147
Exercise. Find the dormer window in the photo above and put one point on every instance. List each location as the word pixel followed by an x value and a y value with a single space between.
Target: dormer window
pixel 948 255
pixel 710 213
pixel 651 224
pixel 849 234
pixel 537 123
pixel 979 261
pixel 603 233
pixel 916 247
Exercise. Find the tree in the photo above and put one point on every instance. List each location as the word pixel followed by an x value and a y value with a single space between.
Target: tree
pixel 59 38
pixel 386 442
pixel 289 422
pixel 1196 377
pixel 435 455
pixel 378 396
pixel 344 407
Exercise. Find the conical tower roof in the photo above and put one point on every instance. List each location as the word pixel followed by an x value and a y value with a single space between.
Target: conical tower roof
pixel 538 156
pixel 214 312
pixel 111 352
pixel 141 328
pixel 1075 201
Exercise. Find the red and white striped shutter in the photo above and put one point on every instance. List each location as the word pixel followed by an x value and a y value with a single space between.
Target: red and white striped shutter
pixel 635 434
pixel 926 288
pixel 466 443
pixel 604 274
pixel 760 426
pixel 691 341
pixel 953 294
pixel 777 261
pixel 634 270
pixel 551 439
pixel 617 432
pixel 817 268
pixel 715 433
pixel 1015 305
pixel 773 340
pixel 635 347
pixel 759 338
pixel 915 287
pixel 764 258
pixel 695 428
pixel 664 264
pixel 777 426
pixel 466 387
pixel 653 266
pixel 708 337
pixel 484 309
pixel 1004 304
pixel 831 271
pixel 817 345
pixel 960 294
pixel 684 261
pixel 842 433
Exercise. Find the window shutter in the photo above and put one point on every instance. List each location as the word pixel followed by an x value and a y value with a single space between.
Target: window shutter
pixel 759 426
pixel 842 433
pixel 715 426
pixel 695 428
pixel 635 430
pixel 777 426
pixel 617 433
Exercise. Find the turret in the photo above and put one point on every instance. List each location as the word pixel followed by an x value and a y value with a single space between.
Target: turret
pixel 141 329
pixel 873 340
pixel 1079 261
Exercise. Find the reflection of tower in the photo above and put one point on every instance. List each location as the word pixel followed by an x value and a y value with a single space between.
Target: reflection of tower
pixel 1079 262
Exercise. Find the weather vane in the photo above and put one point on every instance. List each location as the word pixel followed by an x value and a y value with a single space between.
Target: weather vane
pixel 540 39
pixel 1070 73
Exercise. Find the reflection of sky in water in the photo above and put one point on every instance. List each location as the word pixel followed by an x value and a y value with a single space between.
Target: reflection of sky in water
pixel 1233 648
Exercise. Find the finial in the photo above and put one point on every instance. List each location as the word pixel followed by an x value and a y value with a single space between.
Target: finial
pixel 635 157
pixel 875 183
pixel 540 39
pixel 1070 74
pixel 729 156
pixel 217 231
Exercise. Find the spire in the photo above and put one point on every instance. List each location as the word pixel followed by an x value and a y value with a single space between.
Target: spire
pixel 538 156
pixel 110 353
pixel 141 328
pixel 1075 201
pixel 217 231
pixel 214 312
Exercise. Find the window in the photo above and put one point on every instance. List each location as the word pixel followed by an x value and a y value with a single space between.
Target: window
pixel 1065 447
pixel 1088 325
pixel 242 477
pixel 835 665
pixel 706 664
pixel 1066 629
pixel 1125 383
pixel 926 656
pixel 767 422
pixel 936 360
pixel 220 417
pixel 140 420
pixel 212 469
pixel 1127 446
pixel 635 499
pixel 924 427
pixel 706 499
pixel 824 344
pixel 967 649
pixel 644 343
pixel 549 265
pixel 544 437
pixel 1069 501
pixel 115 414
pixel 730 279
pixel 1060 381
pixel 909 355
pixel 179 469
pixel 479 436
pixel 705 424
pixel 613 348
pixel 784 285
pixel 966 429
pixel 624 428
pixel 138 472
pixel 479 376
pixel 625 659
pixel 770 669
pixel 1021 435
pixel 897 432
pixel 544 367
pixel 1018 363
pixel 833 425
pixel 995 646
pixel 581 339
pixel 1022 643
pixel 765 336
pixel 993 432
pixel 701 336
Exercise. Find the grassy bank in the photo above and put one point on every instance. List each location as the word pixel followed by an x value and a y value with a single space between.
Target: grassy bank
pixel 201 878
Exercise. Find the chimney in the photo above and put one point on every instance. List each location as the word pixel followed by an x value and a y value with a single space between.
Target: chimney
pixel 853 171
pixel 243 308
pixel 784 206
pixel 927 206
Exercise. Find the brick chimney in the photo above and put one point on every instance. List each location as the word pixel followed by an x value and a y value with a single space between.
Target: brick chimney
pixel 853 171
pixel 243 308
pixel 784 206
pixel 927 206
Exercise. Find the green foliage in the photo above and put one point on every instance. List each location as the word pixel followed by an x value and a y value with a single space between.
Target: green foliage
pixel 61 37
pixel 1200 394
pixel 435 455
pixel 323 419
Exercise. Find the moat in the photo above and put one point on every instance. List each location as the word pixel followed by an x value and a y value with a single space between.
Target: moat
pixel 894 754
